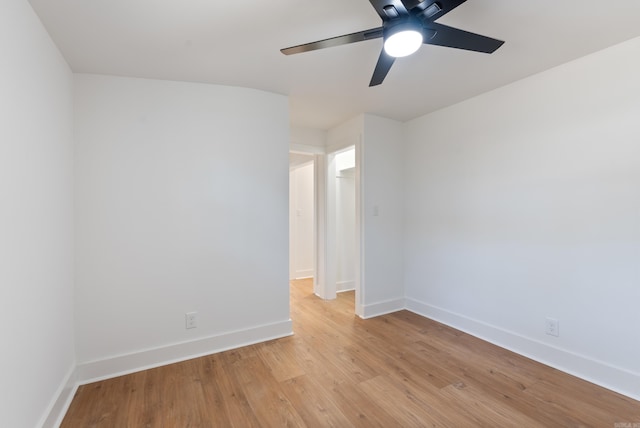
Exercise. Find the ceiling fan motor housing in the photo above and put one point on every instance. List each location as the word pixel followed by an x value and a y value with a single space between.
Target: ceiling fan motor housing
pixel 405 23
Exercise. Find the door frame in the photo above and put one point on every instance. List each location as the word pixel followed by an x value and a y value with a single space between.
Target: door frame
pixel 325 278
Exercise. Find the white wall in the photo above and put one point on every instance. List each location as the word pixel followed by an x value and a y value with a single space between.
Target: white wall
pixel 382 216
pixel 182 196
pixel 524 203
pixel 301 221
pixel 36 219
pixel 379 182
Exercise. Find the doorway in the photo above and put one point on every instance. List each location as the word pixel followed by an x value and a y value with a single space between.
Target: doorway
pixel 302 218
pixel 345 222
pixel 336 248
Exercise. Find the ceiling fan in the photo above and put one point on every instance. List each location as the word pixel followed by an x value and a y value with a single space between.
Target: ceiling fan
pixel 406 25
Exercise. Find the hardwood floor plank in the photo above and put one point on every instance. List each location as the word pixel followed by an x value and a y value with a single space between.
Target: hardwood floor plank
pixel 358 408
pixel 265 395
pixel 397 370
pixel 485 409
pixel 585 401
pixel 314 404
pixel 282 364
pixel 213 399
pixel 237 409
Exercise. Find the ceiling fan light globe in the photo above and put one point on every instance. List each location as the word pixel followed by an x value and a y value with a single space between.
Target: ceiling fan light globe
pixel 403 43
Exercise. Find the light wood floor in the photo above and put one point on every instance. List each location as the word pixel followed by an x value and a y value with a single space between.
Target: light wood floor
pixel 398 370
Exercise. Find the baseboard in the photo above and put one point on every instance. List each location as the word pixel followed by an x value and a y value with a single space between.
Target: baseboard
pixel 304 274
pixel 381 308
pixel 345 286
pixel 93 371
pixel 600 373
pixel 61 401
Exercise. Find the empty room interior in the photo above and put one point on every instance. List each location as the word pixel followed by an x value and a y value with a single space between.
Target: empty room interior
pixel 261 214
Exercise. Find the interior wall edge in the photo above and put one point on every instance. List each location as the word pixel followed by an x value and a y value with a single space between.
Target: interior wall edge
pixel 306 149
pixel 377 309
pixel 61 400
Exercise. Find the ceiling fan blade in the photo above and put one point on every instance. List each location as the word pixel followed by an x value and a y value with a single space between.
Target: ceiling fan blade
pixel 360 36
pixel 389 9
pixel 455 38
pixel 382 68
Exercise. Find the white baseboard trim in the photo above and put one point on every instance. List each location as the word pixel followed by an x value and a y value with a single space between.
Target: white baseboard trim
pixel 304 274
pixel 93 371
pixel 61 401
pixel 359 310
pixel 600 373
pixel 381 308
pixel 345 286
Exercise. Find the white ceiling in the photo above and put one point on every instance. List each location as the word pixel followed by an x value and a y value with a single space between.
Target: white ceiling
pixel 237 43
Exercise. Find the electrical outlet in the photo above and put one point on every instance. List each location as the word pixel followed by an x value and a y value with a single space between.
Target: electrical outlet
pixel 190 319
pixel 552 327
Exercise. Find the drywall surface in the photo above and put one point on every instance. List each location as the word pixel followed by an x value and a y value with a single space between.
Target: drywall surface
pixel 182 206
pixel 523 204
pixel 379 179
pixel 382 214
pixel 36 219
